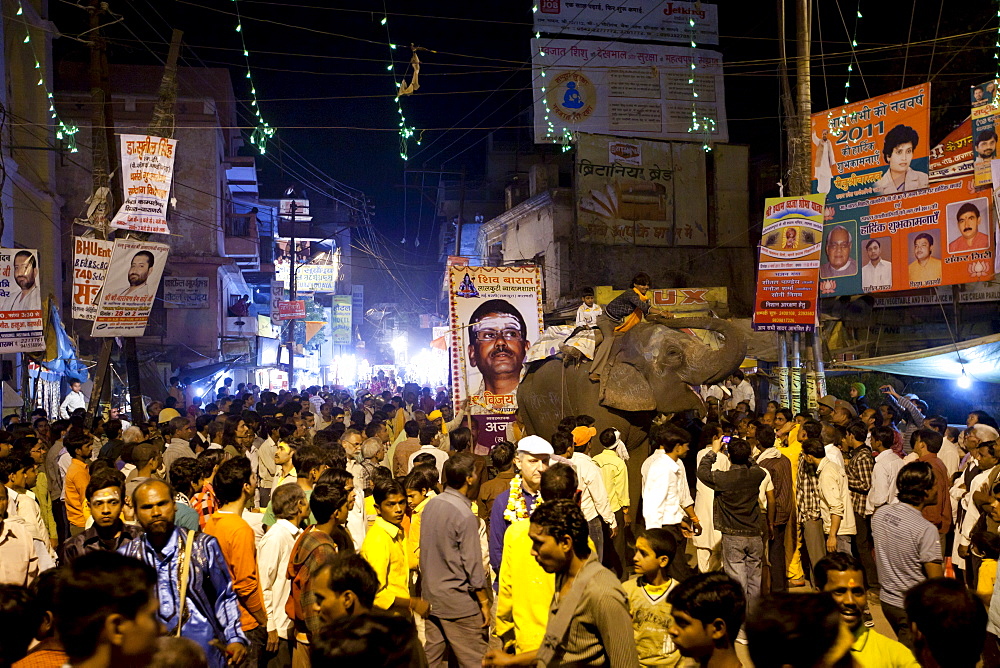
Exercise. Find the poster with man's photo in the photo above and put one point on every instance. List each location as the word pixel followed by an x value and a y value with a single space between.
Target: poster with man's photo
pixel 940 236
pixel 20 301
pixel 129 288
pixel 495 317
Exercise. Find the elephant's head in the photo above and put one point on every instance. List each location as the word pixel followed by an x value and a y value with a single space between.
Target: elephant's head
pixel 656 363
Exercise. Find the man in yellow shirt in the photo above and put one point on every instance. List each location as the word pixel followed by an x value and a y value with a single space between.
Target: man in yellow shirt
pixel 925 268
pixel 842 576
pixel 385 549
pixel 526 590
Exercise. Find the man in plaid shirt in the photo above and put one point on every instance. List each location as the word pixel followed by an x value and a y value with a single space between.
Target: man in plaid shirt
pixel 808 510
pixel 860 464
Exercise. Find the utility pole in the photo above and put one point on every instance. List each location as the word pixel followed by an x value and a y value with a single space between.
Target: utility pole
pixel 802 166
pixel 461 215
pixel 292 294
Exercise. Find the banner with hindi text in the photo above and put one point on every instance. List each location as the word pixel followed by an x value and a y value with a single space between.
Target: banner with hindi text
pixel 91 258
pixel 130 287
pixel 20 301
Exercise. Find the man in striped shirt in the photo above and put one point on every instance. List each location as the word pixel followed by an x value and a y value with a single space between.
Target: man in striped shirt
pixel 860 465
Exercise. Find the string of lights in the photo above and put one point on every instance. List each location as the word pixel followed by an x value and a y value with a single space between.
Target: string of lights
pixel 65 132
pixel 565 136
pixel 406 132
pixel 854 57
pixel 700 122
pixel 262 131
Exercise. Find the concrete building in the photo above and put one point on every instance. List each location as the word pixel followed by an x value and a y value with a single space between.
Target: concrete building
pixel 214 231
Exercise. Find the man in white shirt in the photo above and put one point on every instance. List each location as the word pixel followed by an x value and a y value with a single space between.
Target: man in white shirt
pixel 877 273
pixel 440 457
pixel 180 431
pixel 887 465
pixel 666 498
pixel 834 498
pixel 586 315
pixel 291 508
pixel 742 391
pixel 18 561
pixel 72 401
pixel 18 473
pixel 594 496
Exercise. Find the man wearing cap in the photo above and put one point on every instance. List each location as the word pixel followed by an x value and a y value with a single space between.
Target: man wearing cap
pixel 826 407
pixel 517 501
pixel 594 500
pixel 843 413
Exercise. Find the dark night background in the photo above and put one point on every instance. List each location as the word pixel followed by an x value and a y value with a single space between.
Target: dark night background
pixel 321 79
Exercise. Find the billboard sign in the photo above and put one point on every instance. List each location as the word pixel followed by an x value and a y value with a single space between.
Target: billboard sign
pixel 644 20
pixel 341 320
pixel 878 146
pixel 637 90
pixel 185 292
pixel 940 236
pixel 147 172
pixel 953 156
pixel 984 132
pixel 788 270
pixel 91 258
pixel 292 310
pixel 20 301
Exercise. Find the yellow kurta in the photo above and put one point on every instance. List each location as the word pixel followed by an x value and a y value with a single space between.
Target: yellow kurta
pixel 385 549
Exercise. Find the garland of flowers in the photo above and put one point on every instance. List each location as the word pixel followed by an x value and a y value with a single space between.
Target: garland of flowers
pixel 517 509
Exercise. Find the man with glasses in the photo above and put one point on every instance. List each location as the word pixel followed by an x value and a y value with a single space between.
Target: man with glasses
pixel 498 342
pixel 838 248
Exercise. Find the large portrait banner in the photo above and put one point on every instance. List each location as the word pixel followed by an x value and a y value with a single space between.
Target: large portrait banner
pixel 495 316
pixel 20 301
pixel 129 288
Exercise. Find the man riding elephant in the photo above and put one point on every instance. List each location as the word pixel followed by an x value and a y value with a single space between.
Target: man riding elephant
pixel 622 314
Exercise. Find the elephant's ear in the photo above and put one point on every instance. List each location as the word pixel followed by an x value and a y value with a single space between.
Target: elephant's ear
pixel 626 389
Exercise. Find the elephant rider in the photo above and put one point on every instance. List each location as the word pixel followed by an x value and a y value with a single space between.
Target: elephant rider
pixel 620 315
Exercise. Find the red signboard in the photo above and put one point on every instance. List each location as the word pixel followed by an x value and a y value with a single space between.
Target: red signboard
pixel 291 310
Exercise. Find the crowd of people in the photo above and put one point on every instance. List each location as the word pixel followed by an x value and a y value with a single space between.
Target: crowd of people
pixel 293 528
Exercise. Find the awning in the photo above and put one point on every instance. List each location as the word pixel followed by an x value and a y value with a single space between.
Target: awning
pixel 980 358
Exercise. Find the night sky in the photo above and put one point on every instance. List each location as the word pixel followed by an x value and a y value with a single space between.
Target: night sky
pixel 323 65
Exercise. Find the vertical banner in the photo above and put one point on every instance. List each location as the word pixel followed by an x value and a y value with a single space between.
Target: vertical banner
pixel 130 288
pixel 277 294
pixel 939 236
pixel 984 133
pixel 496 314
pixel 147 171
pixel 91 258
pixel 341 320
pixel 873 147
pixel 20 301
pixel 788 270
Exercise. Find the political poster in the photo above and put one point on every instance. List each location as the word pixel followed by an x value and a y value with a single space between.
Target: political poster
pixel 129 288
pixel 496 314
pixel 983 135
pixel 940 236
pixel 873 147
pixel 644 20
pixel 788 269
pixel 147 172
pixel 340 316
pixel 636 90
pixel 491 430
pixel 91 258
pixel 953 156
pixel 20 301
pixel 185 292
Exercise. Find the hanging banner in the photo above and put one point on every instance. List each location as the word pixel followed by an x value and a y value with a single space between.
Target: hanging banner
pixel 309 277
pixel 292 310
pixel 20 301
pixel 147 171
pixel 940 236
pixel 644 20
pixel 496 314
pixel 953 156
pixel 340 320
pixel 185 292
pixel 874 147
pixel 637 90
pixel 491 431
pixel 277 294
pixel 91 258
pixel 788 271
pixel 129 288
pixel 983 135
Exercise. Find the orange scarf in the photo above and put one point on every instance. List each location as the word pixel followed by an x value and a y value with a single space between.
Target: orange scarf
pixel 633 318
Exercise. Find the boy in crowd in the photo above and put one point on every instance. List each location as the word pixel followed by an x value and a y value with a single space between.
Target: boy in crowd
pixel 708 612
pixel 647 594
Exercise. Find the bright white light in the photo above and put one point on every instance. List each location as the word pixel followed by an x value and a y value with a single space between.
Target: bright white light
pixel 399 344
pixel 198 393
pixel 964 381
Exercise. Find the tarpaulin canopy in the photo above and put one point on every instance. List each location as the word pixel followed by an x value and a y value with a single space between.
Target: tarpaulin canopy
pixel 980 358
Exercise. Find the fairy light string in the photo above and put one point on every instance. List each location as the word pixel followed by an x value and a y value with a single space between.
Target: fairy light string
pixel 262 130
pixel 700 122
pixel 854 56
pixel 65 132
pixel 406 131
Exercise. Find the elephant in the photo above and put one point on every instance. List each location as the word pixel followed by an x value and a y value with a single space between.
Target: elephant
pixel 652 368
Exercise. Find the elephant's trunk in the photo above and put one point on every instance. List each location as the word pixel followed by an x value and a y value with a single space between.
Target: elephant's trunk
pixel 704 365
